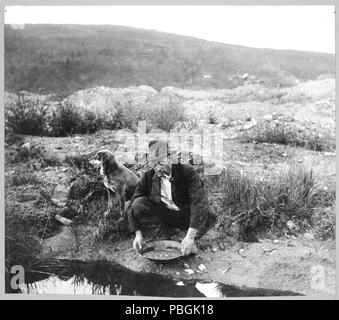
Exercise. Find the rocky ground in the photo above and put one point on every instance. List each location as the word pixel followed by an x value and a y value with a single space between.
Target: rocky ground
pixel 301 262
pixel 285 263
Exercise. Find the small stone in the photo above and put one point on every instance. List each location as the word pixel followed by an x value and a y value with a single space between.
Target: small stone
pixel 276 241
pixel 222 246
pixel 202 267
pixel 186 266
pixel 63 220
pixel 290 224
pixel 26 147
pixel 189 271
pixel 177 273
pixel 180 283
pixel 268 117
pixel 226 270
pixel 308 236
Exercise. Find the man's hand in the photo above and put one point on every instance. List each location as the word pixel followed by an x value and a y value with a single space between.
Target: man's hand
pixel 188 245
pixel 138 241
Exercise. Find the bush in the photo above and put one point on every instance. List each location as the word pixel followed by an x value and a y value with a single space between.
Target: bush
pixel 11 137
pixel 160 111
pixel 26 115
pixel 163 112
pixel 90 122
pixel 256 205
pixel 65 119
pixel 125 115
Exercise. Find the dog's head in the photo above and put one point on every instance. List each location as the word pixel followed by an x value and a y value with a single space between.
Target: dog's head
pixel 103 156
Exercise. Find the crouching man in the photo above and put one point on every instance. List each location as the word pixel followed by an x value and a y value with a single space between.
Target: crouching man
pixel 175 194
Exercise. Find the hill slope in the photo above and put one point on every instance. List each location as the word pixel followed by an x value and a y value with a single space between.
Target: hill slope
pixel 56 58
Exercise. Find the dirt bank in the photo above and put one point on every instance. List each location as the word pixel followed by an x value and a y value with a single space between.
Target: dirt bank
pixel 287 263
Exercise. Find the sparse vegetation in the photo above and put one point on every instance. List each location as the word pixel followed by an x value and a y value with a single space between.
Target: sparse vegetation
pixel 24 229
pixel 254 204
pixel 64 118
pixel 36 155
pixel 324 222
pixel 291 133
pixel 19 178
pixel 82 58
pixel 276 118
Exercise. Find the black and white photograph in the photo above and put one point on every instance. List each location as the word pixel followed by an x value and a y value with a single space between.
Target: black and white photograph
pixel 170 151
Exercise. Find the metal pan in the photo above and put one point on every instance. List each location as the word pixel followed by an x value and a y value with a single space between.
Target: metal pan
pixel 162 250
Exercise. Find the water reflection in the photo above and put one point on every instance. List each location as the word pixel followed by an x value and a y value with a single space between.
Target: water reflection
pixel 106 278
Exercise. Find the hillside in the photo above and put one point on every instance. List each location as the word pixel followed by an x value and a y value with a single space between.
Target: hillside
pixel 68 58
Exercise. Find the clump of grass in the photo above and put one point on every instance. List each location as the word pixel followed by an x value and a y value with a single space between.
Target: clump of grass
pixel 19 178
pixel 24 228
pixel 292 134
pixel 261 205
pixel 88 199
pixel 20 248
pixel 324 222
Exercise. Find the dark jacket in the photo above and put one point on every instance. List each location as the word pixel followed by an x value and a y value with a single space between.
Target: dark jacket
pixel 187 192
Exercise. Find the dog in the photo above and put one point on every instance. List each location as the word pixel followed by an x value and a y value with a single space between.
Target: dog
pixel 118 179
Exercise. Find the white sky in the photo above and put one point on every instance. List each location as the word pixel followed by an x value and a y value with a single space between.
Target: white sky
pixel 309 28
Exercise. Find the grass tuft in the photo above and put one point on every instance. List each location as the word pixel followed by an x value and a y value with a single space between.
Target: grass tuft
pixel 259 205
pixel 19 178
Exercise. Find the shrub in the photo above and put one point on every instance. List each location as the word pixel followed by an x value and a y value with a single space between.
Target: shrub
pixel 163 112
pixel 90 122
pixel 160 111
pixel 10 136
pixel 26 115
pixel 113 119
pixel 127 115
pixel 64 120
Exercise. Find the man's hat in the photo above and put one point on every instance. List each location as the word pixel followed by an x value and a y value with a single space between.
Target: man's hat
pixel 159 150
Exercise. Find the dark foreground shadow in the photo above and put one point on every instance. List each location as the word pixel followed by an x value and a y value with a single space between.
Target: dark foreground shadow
pixel 103 277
